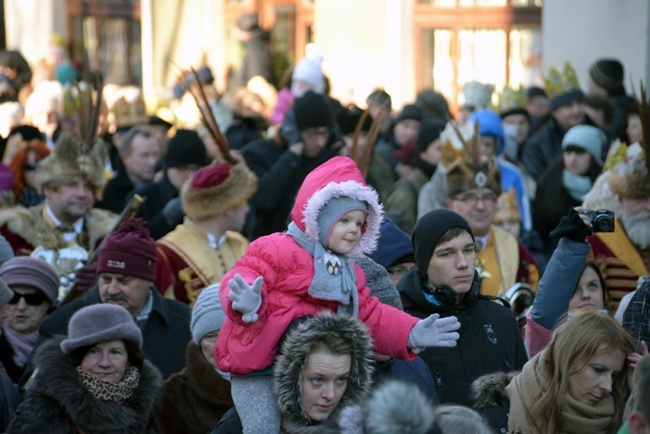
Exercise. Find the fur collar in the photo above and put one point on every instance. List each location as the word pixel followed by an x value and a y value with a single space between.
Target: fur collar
pixel 204 380
pixel 28 223
pixel 58 380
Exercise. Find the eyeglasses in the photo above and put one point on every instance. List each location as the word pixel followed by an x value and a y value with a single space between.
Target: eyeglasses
pixel 32 298
pixel 472 199
pixel 312 133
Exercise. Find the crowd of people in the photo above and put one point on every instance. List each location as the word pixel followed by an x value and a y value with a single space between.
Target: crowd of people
pixel 272 260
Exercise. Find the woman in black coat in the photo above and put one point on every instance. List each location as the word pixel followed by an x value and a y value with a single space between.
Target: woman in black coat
pixel 93 381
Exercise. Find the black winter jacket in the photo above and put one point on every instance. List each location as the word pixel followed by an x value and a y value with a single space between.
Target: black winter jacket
pixel 490 341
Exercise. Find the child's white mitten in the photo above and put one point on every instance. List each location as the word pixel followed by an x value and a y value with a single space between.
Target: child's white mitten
pixel 246 298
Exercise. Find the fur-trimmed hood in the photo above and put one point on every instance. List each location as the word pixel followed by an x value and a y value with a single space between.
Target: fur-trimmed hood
pixel 339 176
pixel 298 343
pixel 57 400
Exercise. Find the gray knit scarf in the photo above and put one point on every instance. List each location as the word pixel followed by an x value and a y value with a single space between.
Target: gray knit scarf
pixel 334 275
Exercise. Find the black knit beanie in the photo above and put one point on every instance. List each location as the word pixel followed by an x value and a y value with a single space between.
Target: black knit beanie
pixel 429 131
pixel 608 74
pixel 428 231
pixel 311 111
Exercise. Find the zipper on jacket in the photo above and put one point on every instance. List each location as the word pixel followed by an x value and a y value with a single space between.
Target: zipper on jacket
pixel 436 374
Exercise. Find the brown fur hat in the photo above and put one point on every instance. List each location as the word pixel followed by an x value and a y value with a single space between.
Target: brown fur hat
pixel 217 188
pixel 69 160
pixel 463 175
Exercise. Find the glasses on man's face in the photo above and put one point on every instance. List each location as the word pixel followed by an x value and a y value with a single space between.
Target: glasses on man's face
pixel 32 298
pixel 313 133
pixel 472 199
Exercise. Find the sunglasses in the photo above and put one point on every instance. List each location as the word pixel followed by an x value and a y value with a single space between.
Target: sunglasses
pixel 30 167
pixel 32 298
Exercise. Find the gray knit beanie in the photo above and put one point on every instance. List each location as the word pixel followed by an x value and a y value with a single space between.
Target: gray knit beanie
pixel 207 314
pixel 333 210
pixel 99 323
pixel 6 251
pixel 32 272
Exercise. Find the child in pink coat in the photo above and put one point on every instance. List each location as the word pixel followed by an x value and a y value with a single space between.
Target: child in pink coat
pixel 285 276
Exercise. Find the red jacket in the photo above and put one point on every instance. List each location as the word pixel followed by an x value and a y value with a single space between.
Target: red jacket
pixel 288 271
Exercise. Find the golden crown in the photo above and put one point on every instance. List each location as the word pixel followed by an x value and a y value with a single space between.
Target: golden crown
pixel 507 207
pixel 557 82
pixel 129 110
pixel 511 99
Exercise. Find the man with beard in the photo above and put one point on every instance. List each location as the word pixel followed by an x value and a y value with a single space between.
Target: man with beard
pixel 624 254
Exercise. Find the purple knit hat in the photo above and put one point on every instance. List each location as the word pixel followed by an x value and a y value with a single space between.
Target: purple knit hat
pixel 32 272
pixel 99 323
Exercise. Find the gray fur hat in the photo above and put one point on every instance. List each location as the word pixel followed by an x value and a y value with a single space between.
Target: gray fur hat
pixel 207 314
pixel 297 345
pixel 99 323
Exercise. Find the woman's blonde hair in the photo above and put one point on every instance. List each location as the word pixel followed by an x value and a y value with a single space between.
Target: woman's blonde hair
pixel 582 337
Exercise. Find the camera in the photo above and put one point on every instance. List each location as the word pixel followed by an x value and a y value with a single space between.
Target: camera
pixel 602 220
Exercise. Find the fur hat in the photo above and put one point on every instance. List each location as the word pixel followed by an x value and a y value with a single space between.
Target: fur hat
pixel 99 323
pixel 630 180
pixel 207 314
pixel 298 343
pixel 32 272
pixel 216 188
pixel 69 160
pixel 129 250
pixel 608 74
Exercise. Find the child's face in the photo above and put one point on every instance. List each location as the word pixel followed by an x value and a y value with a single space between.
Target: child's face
pixel 346 232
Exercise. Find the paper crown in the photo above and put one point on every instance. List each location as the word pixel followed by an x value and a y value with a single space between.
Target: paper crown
pixel 511 99
pixel 129 109
pixel 507 207
pixel 454 140
pixel 478 95
pixel 557 83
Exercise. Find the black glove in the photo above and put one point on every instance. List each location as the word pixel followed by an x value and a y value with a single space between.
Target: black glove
pixel 173 211
pixel 572 227
pixel 85 277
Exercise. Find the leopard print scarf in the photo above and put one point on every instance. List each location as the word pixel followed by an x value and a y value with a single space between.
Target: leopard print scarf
pixel 106 391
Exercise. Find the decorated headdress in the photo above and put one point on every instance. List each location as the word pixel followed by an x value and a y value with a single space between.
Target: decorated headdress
pixel 82 155
pixel 562 87
pixel 512 101
pixel 478 95
pixel 507 207
pixel 129 109
pixel 472 170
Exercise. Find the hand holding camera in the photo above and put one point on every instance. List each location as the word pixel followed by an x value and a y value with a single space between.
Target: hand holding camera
pixel 581 223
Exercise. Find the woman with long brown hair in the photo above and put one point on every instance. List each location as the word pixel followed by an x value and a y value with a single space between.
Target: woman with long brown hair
pixel 23 165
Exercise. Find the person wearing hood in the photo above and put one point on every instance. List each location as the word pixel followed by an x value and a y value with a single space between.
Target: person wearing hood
pixel 95 379
pixel 445 283
pixel 306 270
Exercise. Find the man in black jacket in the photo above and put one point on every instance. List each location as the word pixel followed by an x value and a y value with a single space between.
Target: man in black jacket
pixel 281 168
pixel 445 282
